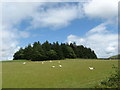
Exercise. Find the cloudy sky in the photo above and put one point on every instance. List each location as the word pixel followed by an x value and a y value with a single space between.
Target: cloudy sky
pixel 92 23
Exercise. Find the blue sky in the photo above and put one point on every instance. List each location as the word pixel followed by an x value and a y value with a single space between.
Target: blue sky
pixel 27 22
pixel 76 27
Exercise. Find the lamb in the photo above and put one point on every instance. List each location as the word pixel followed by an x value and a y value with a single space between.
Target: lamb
pixel 91 68
pixel 50 61
pixel 53 66
pixel 24 62
pixel 42 62
pixel 60 66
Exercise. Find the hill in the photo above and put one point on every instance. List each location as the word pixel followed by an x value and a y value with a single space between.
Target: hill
pixel 74 73
pixel 115 57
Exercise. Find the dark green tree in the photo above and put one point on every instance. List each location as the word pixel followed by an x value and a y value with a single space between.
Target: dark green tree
pixel 47 51
pixel 46 46
pixel 52 55
pixel 68 51
pixel 38 53
pixel 58 49
pixel 19 54
pixel 28 52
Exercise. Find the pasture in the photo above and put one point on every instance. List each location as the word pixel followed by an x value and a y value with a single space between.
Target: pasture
pixel 74 73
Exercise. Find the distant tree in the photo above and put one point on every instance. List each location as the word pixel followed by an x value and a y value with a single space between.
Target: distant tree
pixel 37 56
pixel 28 52
pixel 47 51
pixel 51 55
pixel 19 54
pixel 58 49
pixel 46 46
pixel 75 49
pixel 68 51
pixel 80 51
pixel 38 53
pixel 94 56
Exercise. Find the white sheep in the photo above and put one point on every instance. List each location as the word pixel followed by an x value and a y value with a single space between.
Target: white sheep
pixel 53 66
pixel 24 62
pixel 42 62
pixel 91 68
pixel 60 66
pixel 50 61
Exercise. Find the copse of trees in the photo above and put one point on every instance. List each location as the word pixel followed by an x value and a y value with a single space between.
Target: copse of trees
pixel 55 51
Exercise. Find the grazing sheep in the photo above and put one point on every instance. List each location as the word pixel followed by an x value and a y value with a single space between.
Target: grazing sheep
pixel 42 62
pixel 24 62
pixel 91 68
pixel 53 66
pixel 50 61
pixel 60 66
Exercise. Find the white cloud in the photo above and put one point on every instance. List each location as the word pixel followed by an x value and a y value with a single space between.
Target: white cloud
pixel 53 17
pixel 56 17
pixel 73 38
pixel 103 42
pixel 9 39
pixel 98 29
pixel 105 9
pixel 8 44
pixel 12 15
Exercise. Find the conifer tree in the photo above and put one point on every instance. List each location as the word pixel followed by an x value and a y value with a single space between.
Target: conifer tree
pixel 19 54
pixel 47 51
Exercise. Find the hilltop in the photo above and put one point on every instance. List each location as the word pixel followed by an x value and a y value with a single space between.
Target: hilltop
pixel 115 57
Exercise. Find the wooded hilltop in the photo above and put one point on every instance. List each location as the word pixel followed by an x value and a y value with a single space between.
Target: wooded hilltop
pixel 54 51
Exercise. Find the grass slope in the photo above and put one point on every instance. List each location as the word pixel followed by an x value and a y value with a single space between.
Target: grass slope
pixel 74 74
pixel 115 57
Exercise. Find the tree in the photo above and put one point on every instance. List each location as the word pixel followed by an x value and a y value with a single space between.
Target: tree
pixel 68 51
pixel 58 49
pixel 28 51
pixel 46 46
pixel 37 56
pixel 47 51
pixel 52 55
pixel 19 54
pixel 80 51
pixel 38 53
pixel 75 49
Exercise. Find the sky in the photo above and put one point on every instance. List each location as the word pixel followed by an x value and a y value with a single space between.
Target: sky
pixel 92 23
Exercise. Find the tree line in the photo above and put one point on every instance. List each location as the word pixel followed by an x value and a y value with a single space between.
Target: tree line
pixel 54 51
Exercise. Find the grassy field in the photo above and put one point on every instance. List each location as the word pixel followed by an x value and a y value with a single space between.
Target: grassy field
pixel 73 74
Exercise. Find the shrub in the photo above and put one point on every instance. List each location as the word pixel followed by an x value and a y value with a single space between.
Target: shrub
pixel 113 81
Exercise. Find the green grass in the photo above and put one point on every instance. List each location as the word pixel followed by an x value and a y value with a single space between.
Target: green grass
pixel 16 61
pixel 74 73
